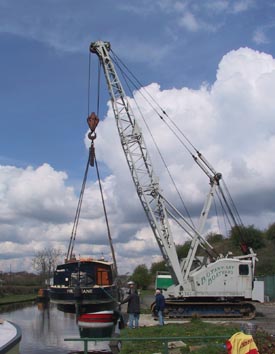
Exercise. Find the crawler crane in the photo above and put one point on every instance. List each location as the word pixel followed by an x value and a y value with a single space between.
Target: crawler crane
pixel 219 286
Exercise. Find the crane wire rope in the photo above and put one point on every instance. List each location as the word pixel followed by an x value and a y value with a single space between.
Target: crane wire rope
pixel 239 229
pixel 106 217
pixel 99 178
pixel 89 84
pixel 217 218
pixel 242 231
pixel 140 88
pixel 77 214
pixel 125 77
pixel 81 195
pixel 80 199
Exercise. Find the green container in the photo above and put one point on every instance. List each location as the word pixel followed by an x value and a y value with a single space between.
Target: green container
pixel 163 281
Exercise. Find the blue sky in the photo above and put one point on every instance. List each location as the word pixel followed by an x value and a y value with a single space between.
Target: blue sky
pixel 183 47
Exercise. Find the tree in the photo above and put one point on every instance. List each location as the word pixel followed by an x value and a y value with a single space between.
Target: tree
pixel 270 232
pixel 213 238
pixel 158 267
pixel 182 250
pixel 250 236
pixel 45 262
pixel 141 276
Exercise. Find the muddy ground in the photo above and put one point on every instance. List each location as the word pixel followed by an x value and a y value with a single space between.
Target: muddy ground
pixel 265 316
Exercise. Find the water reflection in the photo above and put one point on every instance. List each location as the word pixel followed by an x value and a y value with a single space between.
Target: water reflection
pixel 44 329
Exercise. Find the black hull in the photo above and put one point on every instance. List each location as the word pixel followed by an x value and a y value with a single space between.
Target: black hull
pixel 79 308
pixel 84 286
pixel 83 300
pixel 96 332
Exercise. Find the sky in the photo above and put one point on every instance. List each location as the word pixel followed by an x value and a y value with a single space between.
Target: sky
pixel 210 64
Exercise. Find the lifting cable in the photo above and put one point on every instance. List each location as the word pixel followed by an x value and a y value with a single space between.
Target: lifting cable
pixel 92 121
pixel 106 219
pixel 81 195
pixel 177 132
pixel 125 76
pixel 99 179
pixel 77 214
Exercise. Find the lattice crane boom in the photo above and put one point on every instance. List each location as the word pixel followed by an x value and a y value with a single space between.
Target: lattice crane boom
pixel 139 162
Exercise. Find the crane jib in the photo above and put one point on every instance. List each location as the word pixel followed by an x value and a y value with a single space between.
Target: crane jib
pixel 191 276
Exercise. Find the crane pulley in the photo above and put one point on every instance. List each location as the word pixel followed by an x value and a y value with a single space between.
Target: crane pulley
pixel 92 121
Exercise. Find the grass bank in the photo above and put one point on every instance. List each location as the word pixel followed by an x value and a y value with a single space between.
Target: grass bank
pixel 11 299
pixel 213 341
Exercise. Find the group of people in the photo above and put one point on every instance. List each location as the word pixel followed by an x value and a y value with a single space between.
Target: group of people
pixel 133 305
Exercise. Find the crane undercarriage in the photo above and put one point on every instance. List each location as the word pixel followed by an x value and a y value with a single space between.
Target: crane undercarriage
pixel 186 308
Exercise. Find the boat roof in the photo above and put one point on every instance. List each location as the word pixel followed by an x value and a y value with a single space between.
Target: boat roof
pixel 88 260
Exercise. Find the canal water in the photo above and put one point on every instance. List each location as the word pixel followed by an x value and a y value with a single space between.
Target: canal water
pixel 44 329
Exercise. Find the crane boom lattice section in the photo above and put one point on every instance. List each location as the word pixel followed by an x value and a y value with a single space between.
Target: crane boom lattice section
pixel 139 161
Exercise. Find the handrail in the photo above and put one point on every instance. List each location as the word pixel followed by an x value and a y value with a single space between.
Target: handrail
pixel 164 340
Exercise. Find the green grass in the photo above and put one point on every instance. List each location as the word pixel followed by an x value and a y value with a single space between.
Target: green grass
pixel 212 341
pixel 147 292
pixel 11 299
pixel 194 328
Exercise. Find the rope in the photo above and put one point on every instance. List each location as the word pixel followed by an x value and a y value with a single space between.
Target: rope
pixel 106 217
pixel 89 83
pixel 124 75
pixel 77 214
pixel 228 207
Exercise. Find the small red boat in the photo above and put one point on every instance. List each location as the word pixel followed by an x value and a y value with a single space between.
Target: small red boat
pixel 102 319
pixel 97 324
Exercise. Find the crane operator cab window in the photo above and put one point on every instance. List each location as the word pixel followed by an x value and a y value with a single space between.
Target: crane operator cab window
pixel 243 269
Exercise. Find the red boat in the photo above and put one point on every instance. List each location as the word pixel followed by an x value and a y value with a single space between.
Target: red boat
pixel 97 324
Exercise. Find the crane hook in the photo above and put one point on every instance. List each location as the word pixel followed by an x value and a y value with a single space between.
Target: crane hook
pixel 92 136
pixel 92 121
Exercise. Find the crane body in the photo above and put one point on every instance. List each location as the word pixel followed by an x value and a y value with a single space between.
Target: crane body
pixel 217 285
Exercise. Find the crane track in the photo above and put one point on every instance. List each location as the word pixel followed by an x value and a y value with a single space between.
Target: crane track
pixel 223 310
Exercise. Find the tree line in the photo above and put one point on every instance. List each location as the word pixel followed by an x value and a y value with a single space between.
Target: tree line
pixel 262 242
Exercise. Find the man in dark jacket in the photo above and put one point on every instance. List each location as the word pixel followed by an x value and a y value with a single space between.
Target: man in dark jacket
pixel 133 307
pixel 160 306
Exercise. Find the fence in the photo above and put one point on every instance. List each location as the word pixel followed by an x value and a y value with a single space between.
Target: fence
pixel 116 342
pixel 269 286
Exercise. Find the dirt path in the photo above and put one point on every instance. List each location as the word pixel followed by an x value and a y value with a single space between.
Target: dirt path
pixel 265 316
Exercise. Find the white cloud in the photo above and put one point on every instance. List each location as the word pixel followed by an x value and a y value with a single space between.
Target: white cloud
pixel 218 5
pixel 189 22
pixel 62 25
pixel 231 123
pixel 242 5
pixel 34 193
pixel 66 26
pixel 259 36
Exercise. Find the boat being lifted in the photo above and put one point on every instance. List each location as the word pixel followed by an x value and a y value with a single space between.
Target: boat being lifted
pixel 84 285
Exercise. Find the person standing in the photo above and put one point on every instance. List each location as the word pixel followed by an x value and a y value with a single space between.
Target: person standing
pixel 133 307
pixel 160 306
